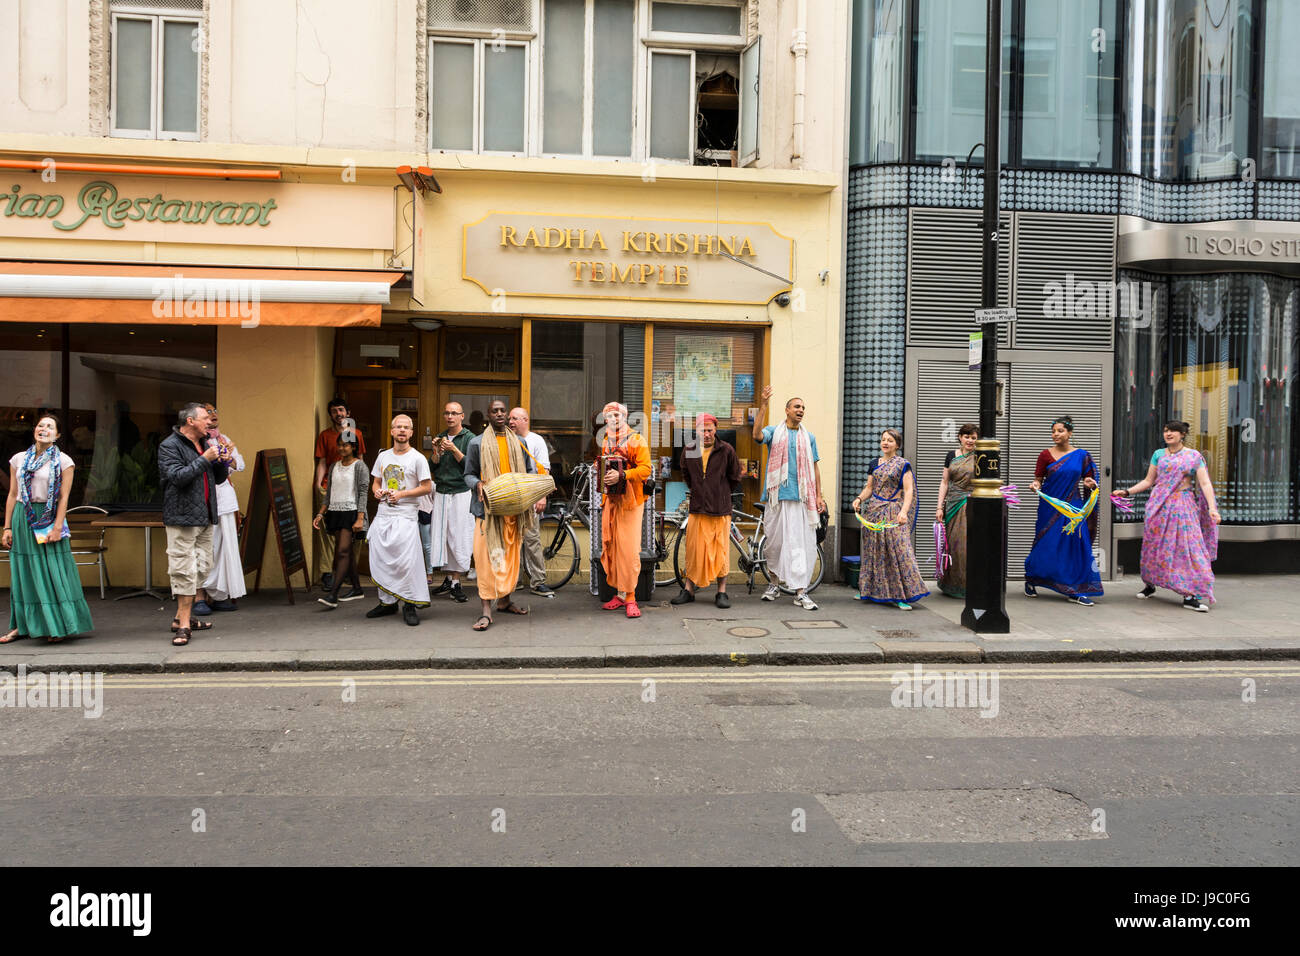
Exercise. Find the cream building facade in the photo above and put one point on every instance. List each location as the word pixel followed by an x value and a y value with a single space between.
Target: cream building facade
pixel 599 199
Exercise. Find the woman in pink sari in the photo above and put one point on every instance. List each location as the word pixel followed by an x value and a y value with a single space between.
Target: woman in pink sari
pixel 1181 536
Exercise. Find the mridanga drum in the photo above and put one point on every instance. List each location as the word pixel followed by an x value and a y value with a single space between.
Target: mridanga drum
pixel 514 493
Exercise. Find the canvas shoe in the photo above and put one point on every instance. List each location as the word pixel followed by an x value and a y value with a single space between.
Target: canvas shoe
pixel 1148 591
pixel 1193 603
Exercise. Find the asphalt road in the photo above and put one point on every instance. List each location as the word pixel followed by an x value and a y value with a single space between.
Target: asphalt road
pixel 1095 764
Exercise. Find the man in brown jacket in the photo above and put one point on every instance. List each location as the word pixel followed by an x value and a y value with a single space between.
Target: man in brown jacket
pixel 711 469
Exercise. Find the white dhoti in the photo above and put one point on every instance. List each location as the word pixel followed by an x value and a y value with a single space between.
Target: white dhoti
pixel 791 548
pixel 397 559
pixel 451 533
pixel 226 579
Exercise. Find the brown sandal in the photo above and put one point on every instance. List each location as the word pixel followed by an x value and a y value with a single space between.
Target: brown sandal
pixel 194 625
pixel 182 637
pixel 481 619
pixel 513 608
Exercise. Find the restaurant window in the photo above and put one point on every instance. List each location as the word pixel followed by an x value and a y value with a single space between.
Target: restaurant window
pixel 1280 128
pixel 879 79
pixel 32 384
pixel 578 367
pixel 154 55
pixel 377 353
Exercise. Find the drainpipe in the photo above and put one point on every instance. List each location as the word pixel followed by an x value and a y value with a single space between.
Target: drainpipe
pixel 799 47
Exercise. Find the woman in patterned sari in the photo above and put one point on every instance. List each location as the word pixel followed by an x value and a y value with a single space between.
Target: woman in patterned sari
pixel 889 574
pixel 1181 536
pixel 954 489
pixel 1061 558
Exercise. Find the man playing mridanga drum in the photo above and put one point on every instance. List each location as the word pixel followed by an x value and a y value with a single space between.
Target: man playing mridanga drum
pixel 711 469
pixel 400 479
pixel 496 537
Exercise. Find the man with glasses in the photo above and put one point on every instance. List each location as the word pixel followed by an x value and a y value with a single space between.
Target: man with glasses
pixel 451 527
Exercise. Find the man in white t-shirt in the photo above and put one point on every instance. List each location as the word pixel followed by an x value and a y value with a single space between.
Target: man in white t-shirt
pixel 400 479
pixel 534 557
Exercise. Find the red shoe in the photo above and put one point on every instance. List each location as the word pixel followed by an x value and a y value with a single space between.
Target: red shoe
pixel 614 603
pixel 632 609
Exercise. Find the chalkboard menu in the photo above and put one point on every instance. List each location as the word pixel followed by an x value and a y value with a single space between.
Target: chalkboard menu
pixel 271 499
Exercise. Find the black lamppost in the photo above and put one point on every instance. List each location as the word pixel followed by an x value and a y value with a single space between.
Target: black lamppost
pixel 986 549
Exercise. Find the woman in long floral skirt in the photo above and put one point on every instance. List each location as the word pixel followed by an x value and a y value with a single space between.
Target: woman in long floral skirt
pixel 45 597
pixel 1181 537
pixel 889 574
pixel 954 490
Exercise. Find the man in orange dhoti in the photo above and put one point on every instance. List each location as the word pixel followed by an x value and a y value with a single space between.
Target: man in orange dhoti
pixel 496 537
pixel 711 469
pixel 621 513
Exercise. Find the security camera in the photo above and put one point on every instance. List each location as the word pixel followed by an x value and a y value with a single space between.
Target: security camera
pixel 783 299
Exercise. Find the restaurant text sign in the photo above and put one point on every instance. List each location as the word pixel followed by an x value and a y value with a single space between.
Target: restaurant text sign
pixel 655 259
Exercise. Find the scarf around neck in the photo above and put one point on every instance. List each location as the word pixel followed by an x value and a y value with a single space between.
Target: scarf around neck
pixel 778 463
pixel 489 468
pixel 31 464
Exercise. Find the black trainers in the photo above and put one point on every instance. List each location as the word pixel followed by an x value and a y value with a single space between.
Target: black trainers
pixel 1193 603
pixel 382 610
pixel 721 600
pixel 1147 591
pixel 543 590
pixel 409 615
pixel 327 582
pixel 458 595
pixel 683 597
pixel 356 594
pixel 444 587
pixel 330 602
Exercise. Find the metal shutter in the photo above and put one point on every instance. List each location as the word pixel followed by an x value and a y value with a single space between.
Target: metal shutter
pixel 1064 251
pixel 947 396
pixel 1042 393
pixel 943 274
pixel 632 350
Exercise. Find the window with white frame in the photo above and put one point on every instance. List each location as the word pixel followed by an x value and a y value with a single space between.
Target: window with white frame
pixel 154 52
pixel 609 79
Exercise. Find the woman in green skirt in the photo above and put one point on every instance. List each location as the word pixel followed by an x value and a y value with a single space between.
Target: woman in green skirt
pixel 45 598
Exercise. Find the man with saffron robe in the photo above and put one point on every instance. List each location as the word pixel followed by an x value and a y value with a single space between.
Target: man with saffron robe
pixel 620 525
pixel 711 469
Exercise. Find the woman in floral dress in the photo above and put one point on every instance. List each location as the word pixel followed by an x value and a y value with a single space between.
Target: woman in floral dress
pixel 889 574
pixel 954 490
pixel 1181 536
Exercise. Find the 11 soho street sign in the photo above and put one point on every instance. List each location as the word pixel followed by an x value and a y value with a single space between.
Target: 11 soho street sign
pixel 156 209
pixel 660 260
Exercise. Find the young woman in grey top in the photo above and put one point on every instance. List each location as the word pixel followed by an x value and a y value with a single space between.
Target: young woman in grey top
pixel 343 514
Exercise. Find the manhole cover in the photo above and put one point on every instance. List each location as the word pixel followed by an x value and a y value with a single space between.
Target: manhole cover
pixel 748 631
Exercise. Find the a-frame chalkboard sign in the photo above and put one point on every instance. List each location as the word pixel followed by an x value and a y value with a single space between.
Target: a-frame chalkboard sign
pixel 271 497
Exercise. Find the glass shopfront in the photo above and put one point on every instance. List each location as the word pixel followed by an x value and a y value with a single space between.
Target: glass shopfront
pixel 115 388
pixel 1219 352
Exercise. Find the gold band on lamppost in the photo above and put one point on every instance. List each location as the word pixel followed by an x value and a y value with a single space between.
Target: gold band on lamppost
pixel 987 482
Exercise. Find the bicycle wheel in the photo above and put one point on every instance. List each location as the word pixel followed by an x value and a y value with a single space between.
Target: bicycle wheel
pixel 679 555
pixel 666 570
pixel 560 548
pixel 813 582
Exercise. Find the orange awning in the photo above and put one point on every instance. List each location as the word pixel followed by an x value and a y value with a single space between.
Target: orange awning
pixel 53 292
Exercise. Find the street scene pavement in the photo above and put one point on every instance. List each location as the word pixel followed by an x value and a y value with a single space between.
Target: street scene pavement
pixel 1144 764
pixel 1255 618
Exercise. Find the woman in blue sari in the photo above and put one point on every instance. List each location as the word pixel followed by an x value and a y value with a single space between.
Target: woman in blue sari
pixel 1061 559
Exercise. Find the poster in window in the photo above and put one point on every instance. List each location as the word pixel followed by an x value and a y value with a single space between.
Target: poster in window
pixel 661 384
pixel 702 374
pixel 743 388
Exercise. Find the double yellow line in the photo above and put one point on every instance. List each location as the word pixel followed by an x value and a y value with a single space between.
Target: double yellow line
pixel 882 674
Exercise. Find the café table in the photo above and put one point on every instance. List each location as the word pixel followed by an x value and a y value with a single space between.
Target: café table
pixel 148 520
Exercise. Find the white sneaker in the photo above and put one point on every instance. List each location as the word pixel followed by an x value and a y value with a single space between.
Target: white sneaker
pixel 771 593
pixel 804 601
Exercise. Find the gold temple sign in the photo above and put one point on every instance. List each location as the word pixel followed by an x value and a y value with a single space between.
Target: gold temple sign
pixel 677 260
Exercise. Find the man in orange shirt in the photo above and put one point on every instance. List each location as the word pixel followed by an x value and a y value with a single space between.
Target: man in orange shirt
pixel 620 525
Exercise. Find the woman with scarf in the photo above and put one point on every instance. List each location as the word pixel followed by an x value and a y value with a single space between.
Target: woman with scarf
pixel 45 598
pixel 1061 558
pixel 621 511
pixel 954 490
pixel 889 574
pixel 1181 537
pixel 225 582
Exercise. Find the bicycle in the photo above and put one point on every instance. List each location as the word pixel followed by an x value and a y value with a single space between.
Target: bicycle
pixel 749 553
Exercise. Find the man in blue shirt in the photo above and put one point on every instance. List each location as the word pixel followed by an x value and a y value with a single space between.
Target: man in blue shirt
pixel 792 490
